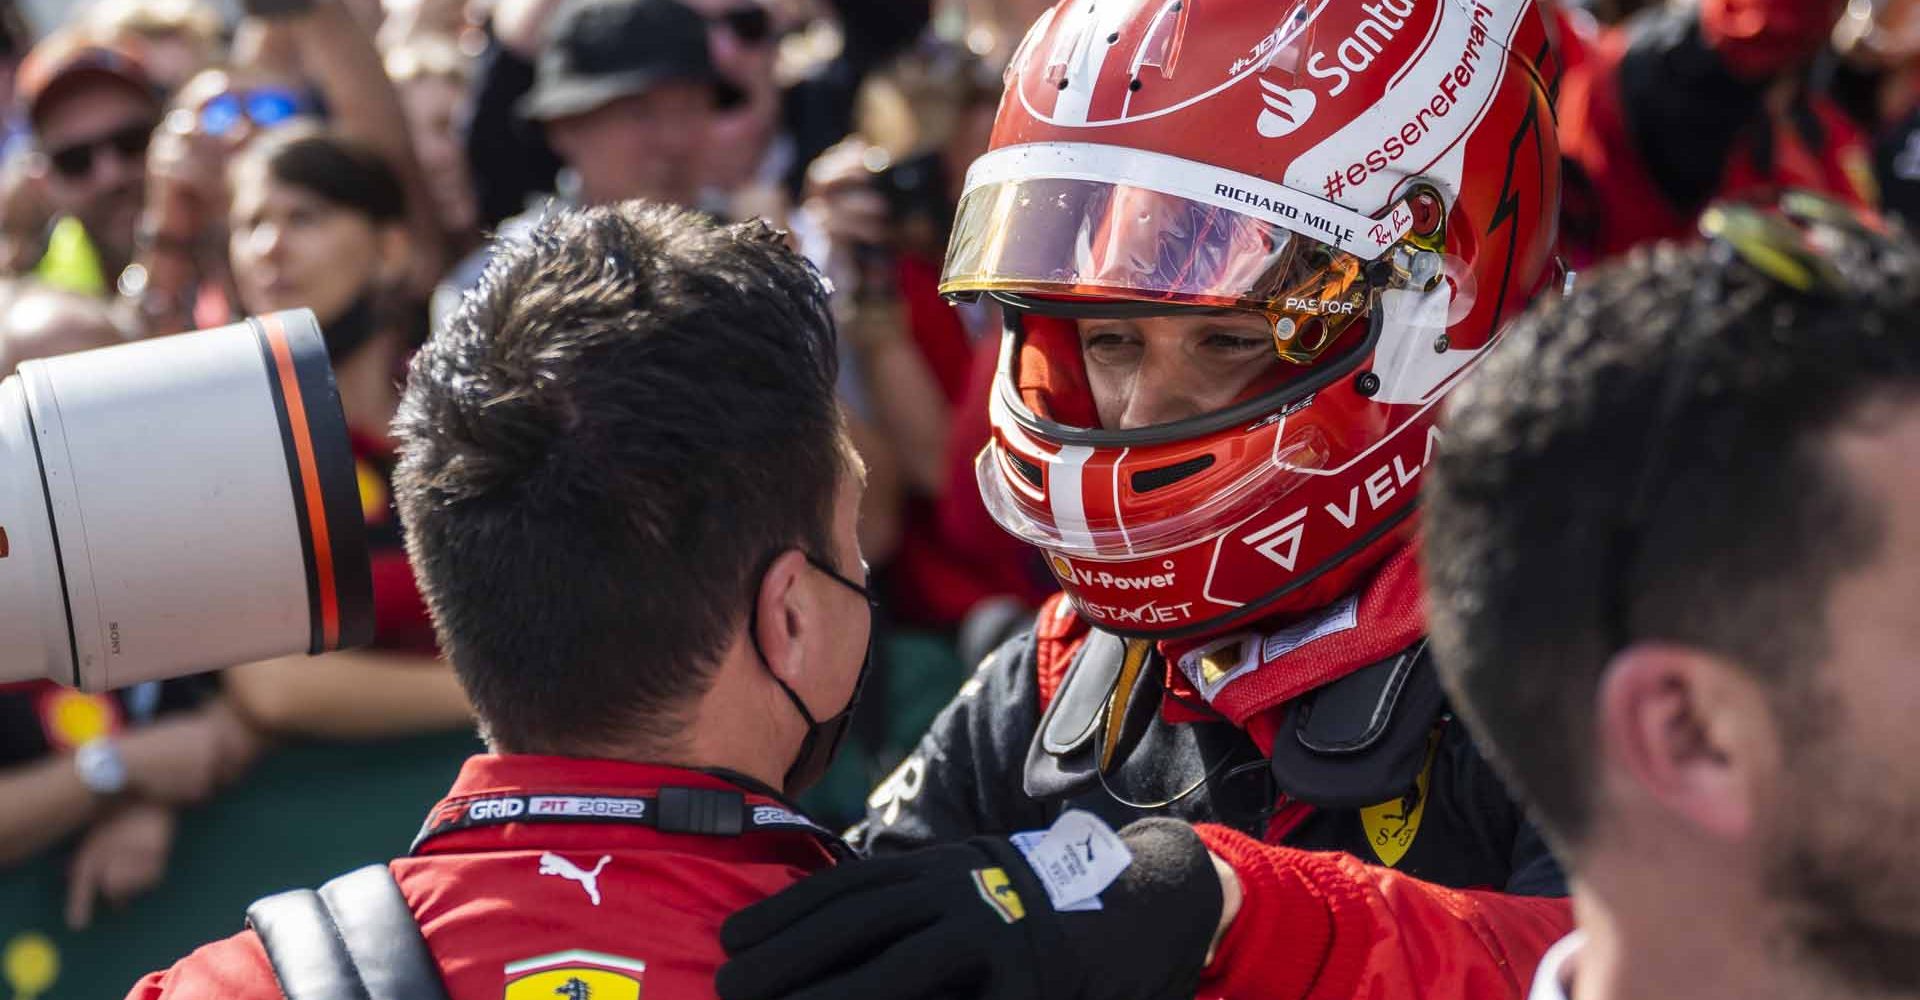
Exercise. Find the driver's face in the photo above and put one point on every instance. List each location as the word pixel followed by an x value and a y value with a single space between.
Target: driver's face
pixel 1157 369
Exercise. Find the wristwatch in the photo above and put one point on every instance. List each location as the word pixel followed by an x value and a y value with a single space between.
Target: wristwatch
pixel 101 767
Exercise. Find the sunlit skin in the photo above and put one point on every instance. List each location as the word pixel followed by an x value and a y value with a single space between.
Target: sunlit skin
pixel 433 106
pixel 738 137
pixel 293 249
pixel 642 146
pixel 1157 369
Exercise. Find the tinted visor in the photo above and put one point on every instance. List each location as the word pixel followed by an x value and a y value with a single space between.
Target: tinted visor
pixel 1072 238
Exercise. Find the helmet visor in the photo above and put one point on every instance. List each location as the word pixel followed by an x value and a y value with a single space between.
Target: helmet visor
pixel 1073 238
pixel 1060 236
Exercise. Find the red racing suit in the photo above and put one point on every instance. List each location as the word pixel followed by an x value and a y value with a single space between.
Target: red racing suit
pixel 1685 104
pixel 516 908
pixel 1393 865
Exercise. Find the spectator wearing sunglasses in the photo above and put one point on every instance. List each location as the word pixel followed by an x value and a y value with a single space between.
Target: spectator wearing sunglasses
pixel 626 91
pixel 746 143
pixel 92 109
pixel 293 59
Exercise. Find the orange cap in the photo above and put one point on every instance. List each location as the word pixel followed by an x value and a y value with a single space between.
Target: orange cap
pixel 69 53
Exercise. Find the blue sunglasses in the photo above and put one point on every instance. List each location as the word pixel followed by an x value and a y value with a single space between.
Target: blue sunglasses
pixel 264 107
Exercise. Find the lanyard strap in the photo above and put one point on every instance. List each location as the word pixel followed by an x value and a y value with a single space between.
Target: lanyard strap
pixel 712 812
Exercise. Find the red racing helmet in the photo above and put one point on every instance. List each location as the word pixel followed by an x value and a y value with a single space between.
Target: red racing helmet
pixel 1378 179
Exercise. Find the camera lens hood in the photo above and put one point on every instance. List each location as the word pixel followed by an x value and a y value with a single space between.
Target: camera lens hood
pixel 176 505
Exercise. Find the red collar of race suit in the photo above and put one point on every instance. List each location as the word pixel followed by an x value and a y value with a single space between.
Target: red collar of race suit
pixel 1245 677
pixel 508 797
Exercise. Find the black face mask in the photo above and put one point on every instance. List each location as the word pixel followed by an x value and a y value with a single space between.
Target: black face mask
pixel 822 742
pixel 350 329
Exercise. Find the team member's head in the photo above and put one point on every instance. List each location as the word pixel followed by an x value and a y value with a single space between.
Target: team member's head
pixel 1244 249
pixel 626 90
pixel 93 109
pixel 1673 543
pixel 631 502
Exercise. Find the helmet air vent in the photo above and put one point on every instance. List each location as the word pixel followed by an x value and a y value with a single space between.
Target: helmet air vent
pixel 1152 479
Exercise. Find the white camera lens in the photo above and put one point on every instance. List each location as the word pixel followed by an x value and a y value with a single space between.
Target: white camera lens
pixel 176 505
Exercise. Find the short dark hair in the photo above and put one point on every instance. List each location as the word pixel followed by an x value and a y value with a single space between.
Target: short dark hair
pixel 599 455
pixel 1540 561
pixel 336 169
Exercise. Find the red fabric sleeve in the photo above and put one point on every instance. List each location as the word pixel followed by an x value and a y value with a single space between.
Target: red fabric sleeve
pixel 1325 926
pixel 1619 206
pixel 234 968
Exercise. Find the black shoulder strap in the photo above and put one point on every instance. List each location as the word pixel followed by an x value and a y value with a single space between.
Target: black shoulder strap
pixel 354 939
pixel 1109 696
pixel 1363 738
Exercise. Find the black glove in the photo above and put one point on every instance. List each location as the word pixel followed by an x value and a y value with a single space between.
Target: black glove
pixel 973 920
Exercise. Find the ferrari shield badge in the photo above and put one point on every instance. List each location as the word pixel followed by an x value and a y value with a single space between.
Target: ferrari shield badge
pixel 1392 825
pixel 575 975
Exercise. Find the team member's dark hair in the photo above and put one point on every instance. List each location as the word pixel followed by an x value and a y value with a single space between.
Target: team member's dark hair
pixel 599 453
pixel 1538 570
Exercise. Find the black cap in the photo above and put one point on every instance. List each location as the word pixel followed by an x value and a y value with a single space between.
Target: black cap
pixel 598 51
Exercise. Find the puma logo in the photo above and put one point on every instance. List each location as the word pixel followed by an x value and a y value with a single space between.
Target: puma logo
pixel 554 864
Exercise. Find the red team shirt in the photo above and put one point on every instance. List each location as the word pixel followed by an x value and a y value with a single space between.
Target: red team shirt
pixel 517 910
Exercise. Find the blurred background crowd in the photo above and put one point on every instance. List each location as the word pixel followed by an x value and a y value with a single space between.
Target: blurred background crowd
pixel 173 164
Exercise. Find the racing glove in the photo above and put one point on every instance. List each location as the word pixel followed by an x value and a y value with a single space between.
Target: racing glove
pixel 974 919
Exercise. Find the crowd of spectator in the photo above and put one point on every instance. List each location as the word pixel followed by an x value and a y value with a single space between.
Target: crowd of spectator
pixel 168 166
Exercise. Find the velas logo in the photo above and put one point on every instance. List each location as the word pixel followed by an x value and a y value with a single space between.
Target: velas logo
pixel 1357 52
pixel 1287 108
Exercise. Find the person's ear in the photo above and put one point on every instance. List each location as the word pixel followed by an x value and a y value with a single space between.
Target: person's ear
pixel 1691 732
pixel 780 618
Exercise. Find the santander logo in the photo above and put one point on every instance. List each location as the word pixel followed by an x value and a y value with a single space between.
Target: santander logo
pixel 1356 52
pixel 1287 109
